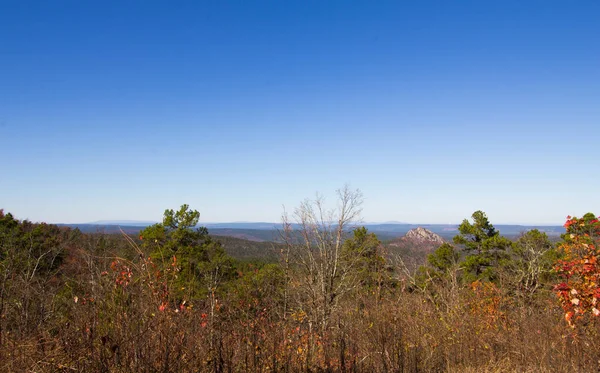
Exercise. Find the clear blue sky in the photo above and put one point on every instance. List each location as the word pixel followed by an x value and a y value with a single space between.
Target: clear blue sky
pixel 434 109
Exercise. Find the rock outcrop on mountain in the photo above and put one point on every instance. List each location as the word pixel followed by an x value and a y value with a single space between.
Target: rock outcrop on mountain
pixel 418 240
pixel 423 235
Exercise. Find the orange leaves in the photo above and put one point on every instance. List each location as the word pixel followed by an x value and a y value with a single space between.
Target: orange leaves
pixel 114 265
pixel 568 318
pixel 123 271
pixel 486 302
pixel 569 221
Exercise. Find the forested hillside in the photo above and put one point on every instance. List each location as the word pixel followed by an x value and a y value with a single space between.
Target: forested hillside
pixel 328 297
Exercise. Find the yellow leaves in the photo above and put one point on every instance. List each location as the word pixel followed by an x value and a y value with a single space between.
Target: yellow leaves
pixel 299 315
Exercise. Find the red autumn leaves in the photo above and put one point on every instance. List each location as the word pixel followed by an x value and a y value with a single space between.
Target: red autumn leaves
pixel 579 292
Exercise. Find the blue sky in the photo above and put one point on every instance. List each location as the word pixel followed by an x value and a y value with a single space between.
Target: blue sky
pixel 434 109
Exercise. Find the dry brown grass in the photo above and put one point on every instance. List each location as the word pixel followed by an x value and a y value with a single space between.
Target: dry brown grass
pixel 89 321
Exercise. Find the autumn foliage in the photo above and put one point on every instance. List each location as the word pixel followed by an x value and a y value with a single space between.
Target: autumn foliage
pixel 579 292
pixel 172 301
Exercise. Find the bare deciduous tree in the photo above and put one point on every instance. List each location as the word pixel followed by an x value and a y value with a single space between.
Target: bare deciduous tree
pixel 314 243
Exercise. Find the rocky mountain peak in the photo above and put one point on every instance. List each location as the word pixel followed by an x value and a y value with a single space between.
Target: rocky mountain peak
pixel 417 240
pixel 423 235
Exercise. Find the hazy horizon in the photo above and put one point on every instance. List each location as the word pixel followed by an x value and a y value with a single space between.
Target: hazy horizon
pixel 141 222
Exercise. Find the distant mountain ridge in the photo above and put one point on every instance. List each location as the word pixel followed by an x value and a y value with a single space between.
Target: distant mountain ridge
pixel 135 223
pixel 268 231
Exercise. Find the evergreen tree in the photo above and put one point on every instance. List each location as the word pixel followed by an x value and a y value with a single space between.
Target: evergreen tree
pixel 201 263
pixel 364 252
pixel 485 249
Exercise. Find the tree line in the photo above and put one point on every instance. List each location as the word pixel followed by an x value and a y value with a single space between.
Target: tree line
pixel 171 299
